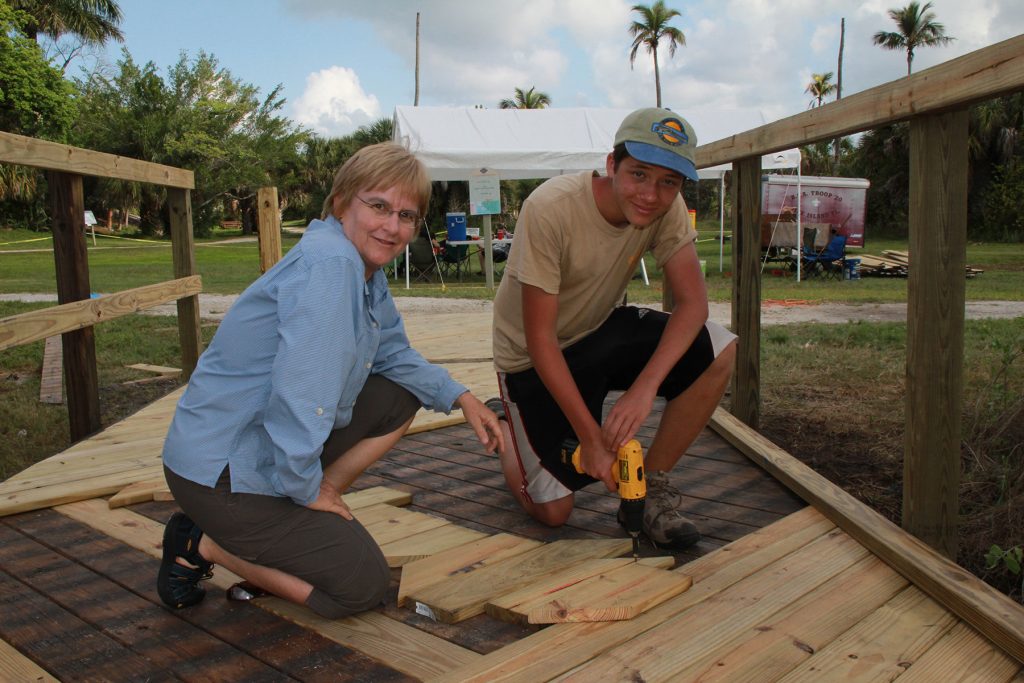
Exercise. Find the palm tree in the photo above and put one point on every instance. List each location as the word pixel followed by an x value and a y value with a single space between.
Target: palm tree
pixel 526 99
pixel 92 21
pixel 648 32
pixel 916 27
pixel 820 87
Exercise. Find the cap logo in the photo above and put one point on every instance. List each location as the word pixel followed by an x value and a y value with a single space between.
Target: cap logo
pixel 670 131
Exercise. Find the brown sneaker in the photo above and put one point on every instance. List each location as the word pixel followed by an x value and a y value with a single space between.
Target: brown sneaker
pixel 663 523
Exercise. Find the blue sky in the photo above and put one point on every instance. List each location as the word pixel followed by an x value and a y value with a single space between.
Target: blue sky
pixel 344 63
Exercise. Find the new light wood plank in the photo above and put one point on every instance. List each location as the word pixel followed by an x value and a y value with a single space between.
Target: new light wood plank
pixel 15 666
pixel 883 645
pixel 376 495
pixel 983 607
pixel 26 151
pixel 31 326
pixel 772 648
pixel 418 575
pixel 402 647
pixel 561 647
pixel 962 656
pixel 463 596
pixel 620 594
pixel 137 492
pixel 405 550
pixel 51 382
pixel 405 524
pixel 660 652
pixel 503 606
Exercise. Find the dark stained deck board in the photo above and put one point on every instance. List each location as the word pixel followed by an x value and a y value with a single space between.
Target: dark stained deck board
pixel 109 588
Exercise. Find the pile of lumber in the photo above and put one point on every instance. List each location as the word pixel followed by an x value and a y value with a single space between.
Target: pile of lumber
pixel 894 264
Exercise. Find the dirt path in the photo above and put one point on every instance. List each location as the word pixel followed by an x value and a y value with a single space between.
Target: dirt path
pixel 214 306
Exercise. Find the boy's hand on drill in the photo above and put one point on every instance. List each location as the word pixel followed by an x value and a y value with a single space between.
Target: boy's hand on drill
pixel 597 461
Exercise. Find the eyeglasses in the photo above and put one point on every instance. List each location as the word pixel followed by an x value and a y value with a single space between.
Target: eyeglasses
pixel 407 218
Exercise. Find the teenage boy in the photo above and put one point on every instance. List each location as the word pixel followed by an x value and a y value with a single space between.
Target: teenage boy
pixel 562 342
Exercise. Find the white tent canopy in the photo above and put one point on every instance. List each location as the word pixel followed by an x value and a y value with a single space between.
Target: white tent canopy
pixel 455 142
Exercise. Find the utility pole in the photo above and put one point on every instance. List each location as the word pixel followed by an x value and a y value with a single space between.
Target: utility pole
pixel 416 97
pixel 839 92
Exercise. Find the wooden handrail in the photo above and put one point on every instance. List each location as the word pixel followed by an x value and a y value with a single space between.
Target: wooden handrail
pixel 18 149
pixel 25 328
pixel 983 74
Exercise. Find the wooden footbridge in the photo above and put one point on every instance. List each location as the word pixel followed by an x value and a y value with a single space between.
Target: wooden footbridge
pixel 794 580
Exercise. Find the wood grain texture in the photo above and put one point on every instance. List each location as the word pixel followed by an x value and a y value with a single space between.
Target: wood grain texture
pixel 15 666
pixel 26 151
pixel 183 255
pixel 51 380
pixel 616 595
pixel 269 227
pixel 983 607
pixel 936 290
pixel 746 290
pixel 31 326
pixel 420 575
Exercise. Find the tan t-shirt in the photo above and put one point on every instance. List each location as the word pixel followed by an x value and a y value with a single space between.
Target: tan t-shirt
pixel 564 246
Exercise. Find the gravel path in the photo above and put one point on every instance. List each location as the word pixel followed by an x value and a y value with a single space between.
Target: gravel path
pixel 213 307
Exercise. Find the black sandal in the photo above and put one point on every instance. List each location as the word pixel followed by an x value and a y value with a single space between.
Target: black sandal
pixel 178 585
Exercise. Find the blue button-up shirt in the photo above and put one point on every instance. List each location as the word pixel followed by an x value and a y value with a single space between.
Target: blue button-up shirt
pixel 286 366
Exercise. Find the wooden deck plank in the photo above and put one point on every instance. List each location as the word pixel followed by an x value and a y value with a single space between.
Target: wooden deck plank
pixel 15 666
pixel 882 645
pixel 560 647
pixel 658 653
pixel 775 646
pixel 962 655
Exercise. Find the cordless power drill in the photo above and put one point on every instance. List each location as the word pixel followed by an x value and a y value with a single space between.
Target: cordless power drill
pixel 628 473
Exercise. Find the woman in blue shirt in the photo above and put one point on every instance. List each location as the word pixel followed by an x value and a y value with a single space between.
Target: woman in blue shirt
pixel 309 380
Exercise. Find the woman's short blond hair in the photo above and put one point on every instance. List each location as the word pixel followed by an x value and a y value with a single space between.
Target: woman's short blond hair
pixel 380 167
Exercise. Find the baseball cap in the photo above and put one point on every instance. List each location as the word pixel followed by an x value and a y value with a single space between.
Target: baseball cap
pixel 660 137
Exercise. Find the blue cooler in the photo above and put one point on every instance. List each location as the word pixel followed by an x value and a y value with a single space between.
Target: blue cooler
pixel 851 266
pixel 456 226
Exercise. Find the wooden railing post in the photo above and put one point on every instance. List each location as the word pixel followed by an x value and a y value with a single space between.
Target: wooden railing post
pixel 935 327
pixel 67 207
pixel 746 289
pixel 268 228
pixel 179 202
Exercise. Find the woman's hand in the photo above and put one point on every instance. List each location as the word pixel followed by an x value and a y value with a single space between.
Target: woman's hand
pixel 329 500
pixel 483 421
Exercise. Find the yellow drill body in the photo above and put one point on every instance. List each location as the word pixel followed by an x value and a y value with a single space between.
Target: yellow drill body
pixel 628 473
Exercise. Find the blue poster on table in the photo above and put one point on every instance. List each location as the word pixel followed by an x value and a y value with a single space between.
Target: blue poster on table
pixel 484 193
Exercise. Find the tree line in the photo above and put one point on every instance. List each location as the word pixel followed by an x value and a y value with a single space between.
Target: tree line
pixel 200 117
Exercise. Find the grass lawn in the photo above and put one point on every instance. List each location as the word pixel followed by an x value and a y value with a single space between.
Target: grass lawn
pixel 26 265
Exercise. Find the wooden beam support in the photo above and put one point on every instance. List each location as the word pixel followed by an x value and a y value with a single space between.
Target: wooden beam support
pixel 746 289
pixel 26 328
pixel 980 75
pixel 67 206
pixel 268 229
pixel 935 327
pixel 25 151
pixel 179 203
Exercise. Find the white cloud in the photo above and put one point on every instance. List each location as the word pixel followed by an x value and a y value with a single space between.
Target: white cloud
pixel 334 103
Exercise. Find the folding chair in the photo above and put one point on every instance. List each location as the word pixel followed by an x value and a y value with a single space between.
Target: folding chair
pixel 422 261
pixel 454 258
pixel 828 262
